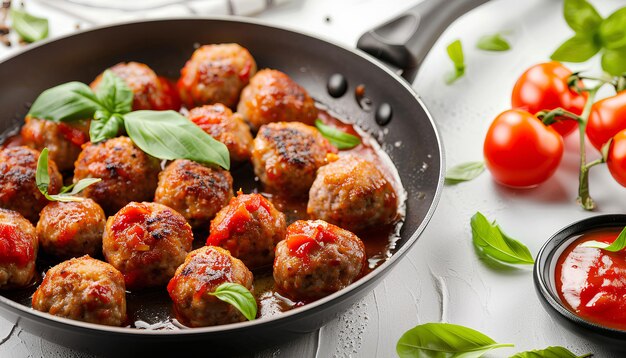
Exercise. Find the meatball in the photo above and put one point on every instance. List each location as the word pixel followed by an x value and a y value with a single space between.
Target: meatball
pixel 146 242
pixel 127 173
pixel 272 96
pixel 71 229
pixel 83 289
pixel 316 259
pixel 18 187
pixel 18 250
pixel 215 74
pixel 286 157
pixel 353 194
pixel 195 191
pixel 202 272
pixel 63 140
pixel 249 227
pixel 149 91
pixel 225 126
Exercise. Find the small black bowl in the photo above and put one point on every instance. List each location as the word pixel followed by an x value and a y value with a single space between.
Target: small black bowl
pixel 543 276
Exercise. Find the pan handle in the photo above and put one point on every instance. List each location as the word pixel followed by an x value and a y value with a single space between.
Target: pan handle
pixel 404 41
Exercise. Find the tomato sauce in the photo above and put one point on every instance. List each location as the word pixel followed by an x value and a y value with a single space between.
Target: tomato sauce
pixel 592 282
pixel 14 246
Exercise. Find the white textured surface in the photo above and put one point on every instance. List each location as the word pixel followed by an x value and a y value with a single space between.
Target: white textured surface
pixel 441 278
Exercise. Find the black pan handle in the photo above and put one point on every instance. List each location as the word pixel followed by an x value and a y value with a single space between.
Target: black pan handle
pixel 405 41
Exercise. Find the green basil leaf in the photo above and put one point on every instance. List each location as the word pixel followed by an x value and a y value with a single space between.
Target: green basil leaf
pixel 104 128
pixel 444 340
pixel 455 52
pixel 67 102
pixel 169 135
pixel 30 28
pixel 618 245
pixel 114 94
pixel 76 188
pixel 238 296
pixel 492 242
pixel 550 352
pixel 578 48
pixel 464 172
pixel 614 61
pixel 613 30
pixel 336 137
pixel 493 42
pixel 42 177
pixel 581 16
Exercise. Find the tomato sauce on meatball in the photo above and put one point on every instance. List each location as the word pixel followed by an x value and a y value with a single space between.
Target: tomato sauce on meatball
pixel 18 250
pixel 18 187
pixel 249 227
pixel 71 229
pixel 286 156
pixel 194 190
pixel 83 289
pixel 215 74
pixel 225 126
pixel 272 96
pixel 202 272
pixel 146 242
pixel 127 173
pixel 316 259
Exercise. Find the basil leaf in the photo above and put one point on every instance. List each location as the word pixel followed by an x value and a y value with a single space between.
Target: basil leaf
pixel 455 52
pixel 581 16
pixel 67 102
pixel 493 42
pixel 613 30
pixel 444 340
pixel 618 245
pixel 464 172
pixel 104 128
pixel 30 28
pixel 169 135
pixel 76 188
pixel 614 61
pixel 492 242
pixel 578 48
pixel 114 94
pixel 238 296
pixel 336 137
pixel 42 177
pixel 550 352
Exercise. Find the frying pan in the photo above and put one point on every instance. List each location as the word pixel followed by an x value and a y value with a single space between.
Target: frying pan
pixel 393 113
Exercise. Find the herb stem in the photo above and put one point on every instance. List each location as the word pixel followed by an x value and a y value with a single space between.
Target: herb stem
pixel 584 198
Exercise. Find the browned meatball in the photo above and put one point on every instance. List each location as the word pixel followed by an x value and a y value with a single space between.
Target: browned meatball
pixel 353 194
pixel 71 229
pixel 63 140
pixel 316 259
pixel 149 91
pixel 272 96
pixel 83 289
pixel 215 74
pixel 286 157
pixel 127 173
pixel 146 242
pixel 195 191
pixel 18 250
pixel 201 273
pixel 249 227
pixel 18 188
pixel 225 126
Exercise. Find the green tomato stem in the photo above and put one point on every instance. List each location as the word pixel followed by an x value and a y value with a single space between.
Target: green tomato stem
pixel 584 198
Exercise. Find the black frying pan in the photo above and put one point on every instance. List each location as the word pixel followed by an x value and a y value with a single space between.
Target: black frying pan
pixel 165 45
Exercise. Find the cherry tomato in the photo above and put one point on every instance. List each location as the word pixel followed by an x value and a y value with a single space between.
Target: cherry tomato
pixel 607 118
pixel 544 87
pixel 520 151
pixel 616 160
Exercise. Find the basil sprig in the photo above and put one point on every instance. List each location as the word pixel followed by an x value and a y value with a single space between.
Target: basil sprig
pixel 489 239
pixel 455 52
pixel 550 352
pixel 464 172
pixel 445 340
pixel 238 296
pixel 162 134
pixel 493 42
pixel 618 245
pixel 593 34
pixel 336 137
pixel 67 193
pixel 30 28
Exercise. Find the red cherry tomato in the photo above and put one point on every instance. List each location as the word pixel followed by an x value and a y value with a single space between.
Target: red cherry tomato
pixel 607 118
pixel 616 160
pixel 544 86
pixel 520 151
